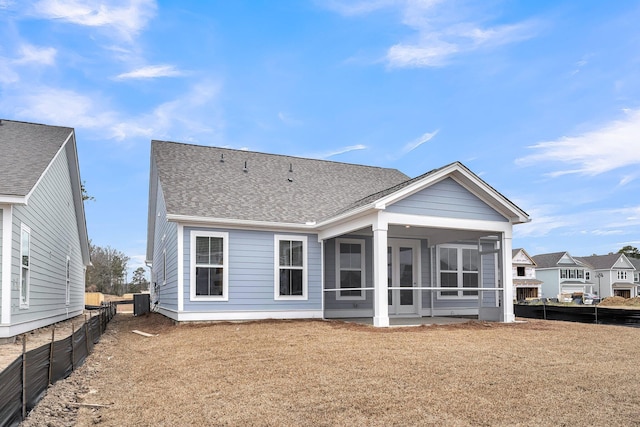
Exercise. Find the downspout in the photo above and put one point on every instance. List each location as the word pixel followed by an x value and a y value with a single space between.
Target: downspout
pixel 322 276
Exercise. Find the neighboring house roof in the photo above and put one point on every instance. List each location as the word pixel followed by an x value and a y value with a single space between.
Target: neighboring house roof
pixel 212 182
pixel 604 262
pixel 515 252
pixel 548 260
pixel 635 262
pixel 26 151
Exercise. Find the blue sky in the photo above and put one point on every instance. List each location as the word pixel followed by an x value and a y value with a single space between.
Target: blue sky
pixel 541 99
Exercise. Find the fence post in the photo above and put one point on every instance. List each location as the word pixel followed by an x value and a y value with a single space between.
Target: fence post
pixel 24 377
pixel 53 334
pixel 544 310
pixel 73 348
pixel 86 337
pixel 596 308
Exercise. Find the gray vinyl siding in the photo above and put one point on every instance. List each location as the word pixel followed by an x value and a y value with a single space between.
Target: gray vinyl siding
pixel 252 274
pixel 449 199
pixel 489 265
pixel 51 216
pixel 425 252
pixel 165 238
pixel 550 279
pixel 330 276
pixel 1 284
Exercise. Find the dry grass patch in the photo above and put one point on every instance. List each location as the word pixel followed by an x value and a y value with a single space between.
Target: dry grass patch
pixel 331 373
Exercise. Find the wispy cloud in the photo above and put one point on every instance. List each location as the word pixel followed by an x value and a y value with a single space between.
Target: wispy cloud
pixel 337 152
pixel 612 146
pixel 192 113
pixel 34 54
pixel 151 72
pixel 418 142
pixel 288 119
pixel 127 17
pixel 441 30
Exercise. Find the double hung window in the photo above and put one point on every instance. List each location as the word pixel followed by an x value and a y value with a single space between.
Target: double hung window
pixel 350 268
pixel 25 265
pixel 209 266
pixel 458 269
pixel 290 267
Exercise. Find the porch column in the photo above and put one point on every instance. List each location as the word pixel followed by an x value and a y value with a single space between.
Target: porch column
pixel 507 277
pixel 380 280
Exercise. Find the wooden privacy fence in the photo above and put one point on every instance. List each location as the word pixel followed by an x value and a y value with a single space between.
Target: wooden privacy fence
pixel 25 381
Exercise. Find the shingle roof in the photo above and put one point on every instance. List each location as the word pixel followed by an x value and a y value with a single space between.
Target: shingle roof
pixel 26 149
pixel 196 182
pixel 601 262
pixel 548 260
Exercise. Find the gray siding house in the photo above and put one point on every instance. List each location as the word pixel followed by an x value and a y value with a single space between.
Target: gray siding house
pixel 44 248
pixel 239 235
pixel 612 274
pixel 562 274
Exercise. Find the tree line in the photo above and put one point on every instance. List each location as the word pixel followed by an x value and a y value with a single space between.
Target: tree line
pixel 108 272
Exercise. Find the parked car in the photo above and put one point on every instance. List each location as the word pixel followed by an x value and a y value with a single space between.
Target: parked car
pixel 590 299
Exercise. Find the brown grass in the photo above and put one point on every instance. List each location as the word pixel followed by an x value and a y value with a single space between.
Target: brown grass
pixel 276 373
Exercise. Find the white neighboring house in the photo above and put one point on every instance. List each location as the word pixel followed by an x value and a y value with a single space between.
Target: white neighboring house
pixel 636 274
pixel 44 249
pixel 612 274
pixel 525 284
pixel 561 273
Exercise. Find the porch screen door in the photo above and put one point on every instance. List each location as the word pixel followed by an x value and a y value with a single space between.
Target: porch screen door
pixel 402 270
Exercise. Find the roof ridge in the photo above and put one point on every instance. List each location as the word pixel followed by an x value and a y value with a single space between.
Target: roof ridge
pixel 275 155
pixel 33 123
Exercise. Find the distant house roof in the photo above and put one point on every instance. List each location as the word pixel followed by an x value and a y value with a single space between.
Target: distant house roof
pixel 601 262
pixel 26 150
pixel 224 183
pixel 548 260
pixel 635 262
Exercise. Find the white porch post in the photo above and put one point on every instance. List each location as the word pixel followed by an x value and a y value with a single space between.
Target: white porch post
pixel 380 298
pixel 507 277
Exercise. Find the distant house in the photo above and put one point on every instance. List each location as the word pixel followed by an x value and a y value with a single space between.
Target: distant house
pixel 237 235
pixel 636 273
pixel 43 236
pixel 612 274
pixel 561 273
pixel 525 284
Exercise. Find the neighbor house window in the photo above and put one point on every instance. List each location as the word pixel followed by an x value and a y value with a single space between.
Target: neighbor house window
pixel 520 271
pixel 350 268
pixel 459 267
pixel 25 265
pixel 68 281
pixel 587 275
pixel 622 275
pixel 290 267
pixel 209 266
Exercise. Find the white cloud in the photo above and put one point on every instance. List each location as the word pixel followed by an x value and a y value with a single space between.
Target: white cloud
pixel 151 72
pixel 441 30
pixel 338 151
pixel 614 145
pixel 35 54
pixel 92 112
pixel 419 141
pixel 127 17
pixel 288 120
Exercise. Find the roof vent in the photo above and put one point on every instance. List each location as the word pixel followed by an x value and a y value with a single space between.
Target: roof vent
pixel 245 167
pixel 290 167
pixel 222 158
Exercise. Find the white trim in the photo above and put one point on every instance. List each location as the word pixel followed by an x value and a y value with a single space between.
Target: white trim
pixel 180 281
pixel 380 295
pixel 239 223
pixel 449 223
pixel 164 266
pixel 225 265
pixel 199 316
pixel 277 238
pixel 362 270
pixel 7 331
pixel 5 280
pixel 24 300
pixel 13 200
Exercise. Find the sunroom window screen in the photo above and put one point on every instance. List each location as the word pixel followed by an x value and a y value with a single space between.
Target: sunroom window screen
pixel 350 268
pixel 291 267
pixel 209 266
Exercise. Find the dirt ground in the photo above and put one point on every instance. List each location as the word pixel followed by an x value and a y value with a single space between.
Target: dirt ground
pixel 332 373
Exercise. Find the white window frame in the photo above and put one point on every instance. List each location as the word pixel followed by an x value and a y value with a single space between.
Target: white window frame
pixel 622 275
pixel 68 281
pixel 363 295
pixel 276 263
pixel 24 299
pixel 460 274
pixel 224 266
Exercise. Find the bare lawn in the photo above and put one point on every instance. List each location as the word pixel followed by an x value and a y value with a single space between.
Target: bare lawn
pixel 275 373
